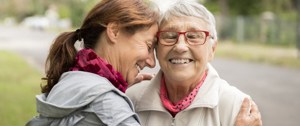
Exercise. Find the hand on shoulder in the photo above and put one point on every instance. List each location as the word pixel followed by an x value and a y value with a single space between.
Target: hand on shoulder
pixel 249 114
pixel 141 77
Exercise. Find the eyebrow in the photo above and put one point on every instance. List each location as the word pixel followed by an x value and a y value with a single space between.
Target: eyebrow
pixel 194 29
pixel 170 28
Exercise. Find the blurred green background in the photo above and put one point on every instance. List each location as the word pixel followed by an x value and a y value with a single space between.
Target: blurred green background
pixel 263 31
pixel 271 22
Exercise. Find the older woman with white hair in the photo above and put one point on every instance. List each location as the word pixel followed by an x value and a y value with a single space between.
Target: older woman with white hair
pixel 188 91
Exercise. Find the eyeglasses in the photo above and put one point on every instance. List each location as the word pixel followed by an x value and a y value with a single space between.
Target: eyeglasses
pixel 170 38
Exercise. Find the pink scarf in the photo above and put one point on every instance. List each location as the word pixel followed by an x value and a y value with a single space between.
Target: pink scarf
pixel 183 103
pixel 87 60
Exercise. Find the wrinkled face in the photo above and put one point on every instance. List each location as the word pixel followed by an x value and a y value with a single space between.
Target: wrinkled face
pixel 137 52
pixel 181 62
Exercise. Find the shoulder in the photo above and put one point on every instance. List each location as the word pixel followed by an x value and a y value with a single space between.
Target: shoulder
pixel 111 99
pixel 80 88
pixel 82 80
pixel 230 100
pixel 136 91
pixel 226 90
pixel 81 76
pixel 113 109
pixel 143 88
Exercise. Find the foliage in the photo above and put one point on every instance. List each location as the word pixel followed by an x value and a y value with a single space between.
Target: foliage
pixel 16 8
pixel 74 9
pixel 260 21
pixel 250 7
pixel 245 7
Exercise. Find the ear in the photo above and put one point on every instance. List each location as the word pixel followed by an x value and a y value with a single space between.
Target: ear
pixel 112 31
pixel 212 50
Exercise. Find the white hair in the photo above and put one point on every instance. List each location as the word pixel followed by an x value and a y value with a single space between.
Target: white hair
pixel 179 8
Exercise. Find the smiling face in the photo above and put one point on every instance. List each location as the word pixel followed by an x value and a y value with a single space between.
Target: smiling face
pixel 183 63
pixel 136 52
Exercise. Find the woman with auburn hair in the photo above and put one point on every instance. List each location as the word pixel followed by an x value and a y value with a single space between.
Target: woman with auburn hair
pixel 87 87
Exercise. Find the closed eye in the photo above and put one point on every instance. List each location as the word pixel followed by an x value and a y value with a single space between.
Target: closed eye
pixel 149 46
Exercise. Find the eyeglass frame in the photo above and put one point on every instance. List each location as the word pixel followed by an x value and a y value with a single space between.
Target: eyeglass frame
pixel 184 34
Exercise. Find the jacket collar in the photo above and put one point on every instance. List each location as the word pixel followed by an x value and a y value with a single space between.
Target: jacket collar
pixel 206 97
pixel 74 90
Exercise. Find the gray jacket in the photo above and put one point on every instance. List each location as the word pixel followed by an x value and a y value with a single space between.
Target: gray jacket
pixel 84 99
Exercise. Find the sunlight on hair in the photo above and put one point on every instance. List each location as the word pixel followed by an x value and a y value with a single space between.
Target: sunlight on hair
pixel 163 5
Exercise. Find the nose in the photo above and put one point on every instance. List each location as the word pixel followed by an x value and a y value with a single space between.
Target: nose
pixel 181 45
pixel 150 61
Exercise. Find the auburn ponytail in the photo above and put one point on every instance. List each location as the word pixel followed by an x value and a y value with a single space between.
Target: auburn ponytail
pixel 60 58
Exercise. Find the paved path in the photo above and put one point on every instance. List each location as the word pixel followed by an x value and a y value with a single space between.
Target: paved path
pixel 274 89
pixel 33 45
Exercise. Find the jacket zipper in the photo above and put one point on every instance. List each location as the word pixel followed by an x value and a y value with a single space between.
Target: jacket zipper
pixel 173 122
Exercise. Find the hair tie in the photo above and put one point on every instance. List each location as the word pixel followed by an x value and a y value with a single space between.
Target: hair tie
pixel 78 34
pixel 79 44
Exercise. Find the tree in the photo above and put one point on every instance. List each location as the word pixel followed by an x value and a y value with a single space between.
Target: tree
pixel 298 28
pixel 235 7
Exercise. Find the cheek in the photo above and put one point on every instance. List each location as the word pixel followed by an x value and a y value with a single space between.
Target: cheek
pixel 160 54
pixel 137 54
pixel 143 50
pixel 202 54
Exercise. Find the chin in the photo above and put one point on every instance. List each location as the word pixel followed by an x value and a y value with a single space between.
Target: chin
pixel 130 80
pixel 183 76
pixel 130 84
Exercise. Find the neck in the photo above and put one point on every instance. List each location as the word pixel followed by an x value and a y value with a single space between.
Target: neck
pixel 179 90
pixel 176 92
pixel 107 51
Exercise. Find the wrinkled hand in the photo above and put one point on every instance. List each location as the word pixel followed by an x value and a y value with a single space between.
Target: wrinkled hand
pixel 141 77
pixel 246 117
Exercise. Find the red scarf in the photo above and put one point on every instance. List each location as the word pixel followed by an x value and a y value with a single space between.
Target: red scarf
pixel 87 60
pixel 183 103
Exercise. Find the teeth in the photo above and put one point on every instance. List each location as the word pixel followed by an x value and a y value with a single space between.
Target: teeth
pixel 138 67
pixel 180 61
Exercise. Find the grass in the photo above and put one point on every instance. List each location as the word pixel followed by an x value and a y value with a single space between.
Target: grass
pixel 279 56
pixel 19 83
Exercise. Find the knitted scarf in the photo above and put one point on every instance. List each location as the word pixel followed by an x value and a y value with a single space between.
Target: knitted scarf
pixel 87 60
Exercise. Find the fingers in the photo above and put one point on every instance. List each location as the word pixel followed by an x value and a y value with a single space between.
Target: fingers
pixel 141 77
pixel 249 114
pixel 244 111
pixel 137 79
pixel 255 114
pixel 254 108
pixel 147 76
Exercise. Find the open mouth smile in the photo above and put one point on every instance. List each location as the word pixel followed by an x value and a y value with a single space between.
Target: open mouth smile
pixel 180 61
